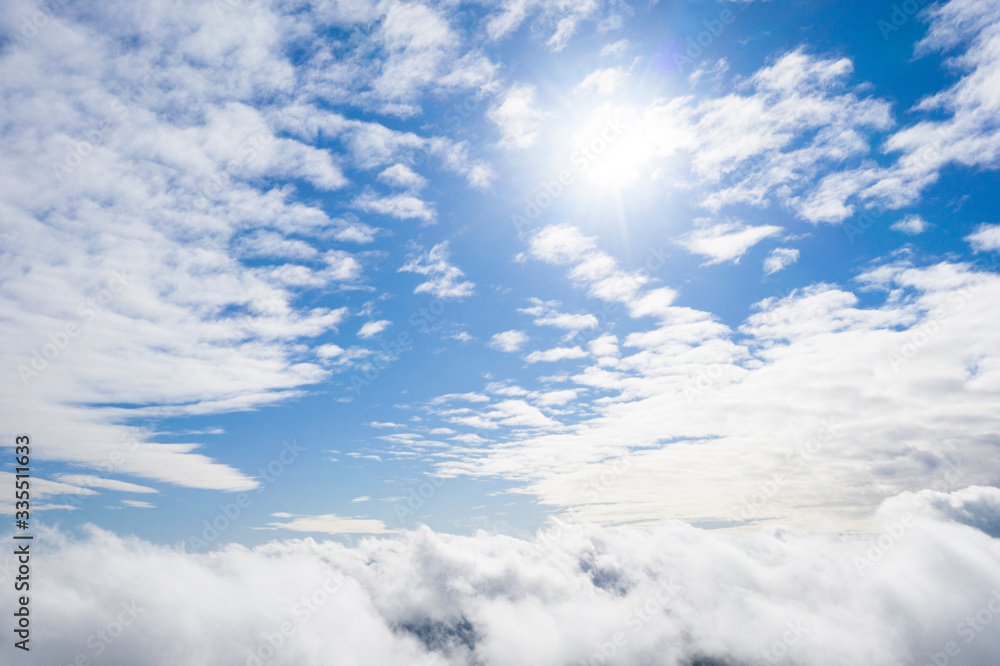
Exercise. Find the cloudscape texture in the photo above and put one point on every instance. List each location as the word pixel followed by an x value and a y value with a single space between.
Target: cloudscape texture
pixel 504 331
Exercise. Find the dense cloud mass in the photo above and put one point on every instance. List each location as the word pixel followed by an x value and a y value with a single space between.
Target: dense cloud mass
pixel 926 586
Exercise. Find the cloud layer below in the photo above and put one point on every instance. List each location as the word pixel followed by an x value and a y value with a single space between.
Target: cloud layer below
pixel 926 582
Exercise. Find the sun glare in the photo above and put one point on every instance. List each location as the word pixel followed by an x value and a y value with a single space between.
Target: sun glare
pixel 611 155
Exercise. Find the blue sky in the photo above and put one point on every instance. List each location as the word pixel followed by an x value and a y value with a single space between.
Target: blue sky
pixel 274 201
pixel 534 332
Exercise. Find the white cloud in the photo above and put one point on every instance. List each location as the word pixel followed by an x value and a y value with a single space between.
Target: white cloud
pixel 271 244
pixel 767 141
pixel 564 244
pixel 986 238
pixel 654 302
pixel 560 244
pixel 136 504
pixel 672 595
pixel 605 345
pixel 865 380
pixel 465 397
pixel 508 341
pixel 602 81
pixel 725 241
pixel 399 206
pixel 556 16
pixel 615 48
pixel 92 481
pixel 911 224
pixel 329 351
pixel 556 398
pixel 174 160
pixel 443 277
pixel 779 259
pixel 373 328
pixel 517 116
pixel 547 314
pixel 965 136
pixel 518 413
pixel 329 524
pixel 403 176
pixel 555 354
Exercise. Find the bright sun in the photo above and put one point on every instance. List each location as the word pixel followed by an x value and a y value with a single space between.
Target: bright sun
pixel 611 155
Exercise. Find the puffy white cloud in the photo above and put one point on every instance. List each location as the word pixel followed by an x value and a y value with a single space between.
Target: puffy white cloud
pixel 373 328
pixel 508 341
pixel 671 595
pixel 726 241
pixel 562 244
pixel 603 81
pixel 517 116
pixel 444 279
pixel 986 238
pixel 555 398
pixel 403 176
pixel 911 224
pixel 555 354
pixel 779 259
pixel 653 302
pixel 547 314
pixel 399 206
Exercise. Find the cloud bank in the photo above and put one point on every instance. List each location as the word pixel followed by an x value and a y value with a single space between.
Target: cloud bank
pixel 926 583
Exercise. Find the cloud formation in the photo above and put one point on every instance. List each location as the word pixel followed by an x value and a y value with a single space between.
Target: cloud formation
pixel 673 595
